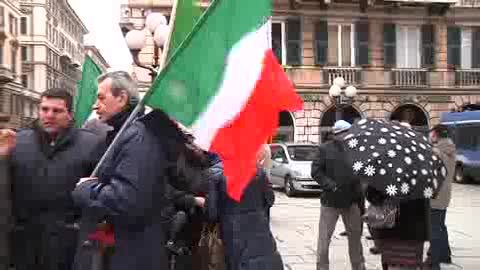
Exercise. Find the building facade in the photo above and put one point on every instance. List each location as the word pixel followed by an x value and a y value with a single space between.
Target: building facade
pixel 15 100
pixel 410 61
pixel 97 57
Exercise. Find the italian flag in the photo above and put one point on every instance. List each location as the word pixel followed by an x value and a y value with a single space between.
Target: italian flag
pixel 225 83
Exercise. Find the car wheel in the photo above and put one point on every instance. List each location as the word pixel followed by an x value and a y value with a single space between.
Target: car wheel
pixel 459 177
pixel 289 188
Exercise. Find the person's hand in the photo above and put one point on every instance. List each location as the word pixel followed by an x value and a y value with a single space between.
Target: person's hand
pixel 86 179
pixel 200 201
pixel 8 141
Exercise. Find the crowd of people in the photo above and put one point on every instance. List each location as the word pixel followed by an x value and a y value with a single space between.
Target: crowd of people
pixel 164 199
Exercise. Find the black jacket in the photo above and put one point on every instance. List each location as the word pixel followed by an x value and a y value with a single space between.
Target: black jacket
pixel 43 174
pixel 5 215
pixel 245 229
pixel 340 188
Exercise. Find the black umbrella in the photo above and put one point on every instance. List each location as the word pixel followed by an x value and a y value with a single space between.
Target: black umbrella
pixel 394 159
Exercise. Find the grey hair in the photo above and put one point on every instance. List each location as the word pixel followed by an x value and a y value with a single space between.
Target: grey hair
pixel 122 81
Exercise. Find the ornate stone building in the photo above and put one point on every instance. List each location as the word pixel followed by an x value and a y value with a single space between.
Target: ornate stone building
pixel 15 100
pixel 409 61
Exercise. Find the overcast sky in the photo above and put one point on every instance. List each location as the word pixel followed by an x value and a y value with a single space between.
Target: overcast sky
pixel 101 17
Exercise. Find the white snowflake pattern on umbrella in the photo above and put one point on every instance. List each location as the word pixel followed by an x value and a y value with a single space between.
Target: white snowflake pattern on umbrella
pixel 435 183
pixel 396 127
pixel 428 193
pixel 363 121
pixel 424 172
pixel 383 171
pixel 372 147
pixel 413 181
pixel 393 134
pixel 362 148
pixel 353 143
pixel 405 188
pixel 414 149
pixel 368 133
pixel 357 166
pixel 363 127
pixel 382 141
pixel 391 190
pixel 375 154
pixel 384 130
pixel 349 136
pixel 408 160
pixel 407 151
pixel 444 171
pixel 414 172
pixel 370 170
pixel 414 142
pixel 421 157
pixel 398 147
pixel 423 146
pixel 399 170
pixel 391 153
pixel 393 141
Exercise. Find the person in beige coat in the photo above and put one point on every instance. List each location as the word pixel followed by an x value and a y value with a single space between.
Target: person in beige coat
pixel 439 247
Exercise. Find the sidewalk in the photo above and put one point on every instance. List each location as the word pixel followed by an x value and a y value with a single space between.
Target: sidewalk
pixel 295 226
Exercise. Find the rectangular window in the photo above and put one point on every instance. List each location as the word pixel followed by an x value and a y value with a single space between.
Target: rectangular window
pixel 25 80
pixel 408 49
pixel 362 36
pixel 320 44
pixel 428 45
pixel 476 47
pixel 390 44
pixel 294 41
pixel 11 21
pixel 341 45
pixel 278 41
pixel 14 60
pixel 454 46
pixel 23 25
pixel 24 53
pixel 2 16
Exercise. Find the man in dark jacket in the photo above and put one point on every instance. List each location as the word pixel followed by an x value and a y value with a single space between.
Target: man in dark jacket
pixel 131 187
pixel 337 200
pixel 44 163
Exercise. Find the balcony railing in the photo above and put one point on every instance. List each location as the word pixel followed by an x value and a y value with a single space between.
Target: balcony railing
pixel 352 75
pixel 406 77
pixel 467 77
pixel 468 3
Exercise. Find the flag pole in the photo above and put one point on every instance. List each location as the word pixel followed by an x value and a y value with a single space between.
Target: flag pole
pixel 141 103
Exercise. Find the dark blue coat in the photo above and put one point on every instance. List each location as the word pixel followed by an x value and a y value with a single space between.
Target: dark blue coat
pixel 248 241
pixel 131 192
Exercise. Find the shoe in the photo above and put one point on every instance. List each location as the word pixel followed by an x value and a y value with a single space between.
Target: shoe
pixel 375 251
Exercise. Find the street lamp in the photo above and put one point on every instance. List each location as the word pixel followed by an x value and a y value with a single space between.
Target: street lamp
pixel 342 99
pixel 156 25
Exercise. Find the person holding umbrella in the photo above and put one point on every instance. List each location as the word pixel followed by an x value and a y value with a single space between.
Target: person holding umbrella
pixel 340 196
pixel 402 173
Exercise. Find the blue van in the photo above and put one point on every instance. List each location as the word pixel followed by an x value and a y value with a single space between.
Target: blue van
pixel 464 128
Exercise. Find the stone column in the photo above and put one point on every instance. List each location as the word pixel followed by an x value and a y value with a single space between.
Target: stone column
pixel 375 75
pixel 441 76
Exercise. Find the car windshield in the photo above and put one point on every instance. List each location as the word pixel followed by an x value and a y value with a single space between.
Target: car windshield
pixel 468 138
pixel 302 152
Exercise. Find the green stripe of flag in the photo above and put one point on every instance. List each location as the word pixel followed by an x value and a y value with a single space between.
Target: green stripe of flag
pixel 86 91
pixel 193 76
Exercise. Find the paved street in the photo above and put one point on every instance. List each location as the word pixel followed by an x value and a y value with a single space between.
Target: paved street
pixel 295 226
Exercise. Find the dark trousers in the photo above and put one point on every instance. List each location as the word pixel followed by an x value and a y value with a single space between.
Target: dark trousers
pixel 439 246
pixel 44 247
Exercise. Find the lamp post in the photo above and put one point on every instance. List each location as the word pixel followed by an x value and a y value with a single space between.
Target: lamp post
pixel 341 98
pixel 156 25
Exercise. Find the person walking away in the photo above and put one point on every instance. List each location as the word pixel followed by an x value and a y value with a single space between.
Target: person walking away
pixel 44 163
pixel 245 249
pixel 336 200
pixel 439 246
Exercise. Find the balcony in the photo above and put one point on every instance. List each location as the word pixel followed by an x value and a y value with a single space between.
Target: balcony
pixel 467 77
pixel 468 3
pixel 352 75
pixel 407 77
pixel 6 74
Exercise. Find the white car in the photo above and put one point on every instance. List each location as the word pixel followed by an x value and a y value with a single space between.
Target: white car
pixel 291 167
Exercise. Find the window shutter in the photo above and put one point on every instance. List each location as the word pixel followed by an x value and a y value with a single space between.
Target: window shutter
pixel 362 36
pixel 321 42
pixel 476 48
pixel 389 39
pixel 428 45
pixel 453 46
pixel 294 42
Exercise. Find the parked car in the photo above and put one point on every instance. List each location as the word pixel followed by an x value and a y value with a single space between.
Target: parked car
pixel 291 167
pixel 464 128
